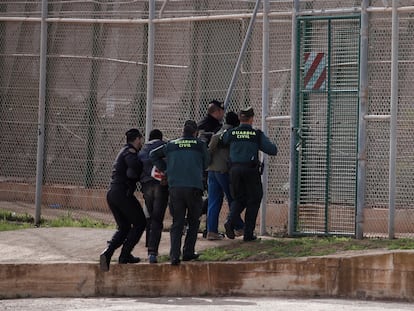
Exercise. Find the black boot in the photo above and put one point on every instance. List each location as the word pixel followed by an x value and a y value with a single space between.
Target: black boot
pixel 105 259
pixel 129 258
pixel 132 239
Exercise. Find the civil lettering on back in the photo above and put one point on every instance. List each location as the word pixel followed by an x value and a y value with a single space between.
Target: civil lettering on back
pixel 243 134
pixel 185 143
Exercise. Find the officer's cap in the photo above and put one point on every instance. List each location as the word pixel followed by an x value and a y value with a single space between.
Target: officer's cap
pixel 246 112
pixel 217 103
pixel 190 127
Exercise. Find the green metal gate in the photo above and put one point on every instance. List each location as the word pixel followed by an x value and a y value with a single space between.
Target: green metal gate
pixel 327 125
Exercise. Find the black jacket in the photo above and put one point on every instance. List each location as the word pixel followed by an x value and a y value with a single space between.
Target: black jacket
pixel 127 168
pixel 207 127
pixel 143 155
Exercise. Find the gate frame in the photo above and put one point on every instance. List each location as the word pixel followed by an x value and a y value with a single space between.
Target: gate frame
pixel 295 130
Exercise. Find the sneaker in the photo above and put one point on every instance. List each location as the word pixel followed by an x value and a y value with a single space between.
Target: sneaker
pixel 229 231
pixel 190 257
pixel 211 236
pixel 239 232
pixel 152 258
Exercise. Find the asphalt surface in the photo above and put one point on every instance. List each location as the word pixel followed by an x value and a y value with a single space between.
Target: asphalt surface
pixel 48 245
pixel 199 303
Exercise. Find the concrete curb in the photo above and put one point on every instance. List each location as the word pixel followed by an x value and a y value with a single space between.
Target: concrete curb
pixel 388 275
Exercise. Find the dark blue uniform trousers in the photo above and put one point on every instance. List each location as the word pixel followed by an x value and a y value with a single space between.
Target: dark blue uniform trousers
pixel 247 192
pixel 129 217
pixel 184 201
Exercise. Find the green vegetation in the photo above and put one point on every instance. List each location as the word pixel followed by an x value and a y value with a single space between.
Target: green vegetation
pixel 69 221
pixel 272 248
pixel 12 221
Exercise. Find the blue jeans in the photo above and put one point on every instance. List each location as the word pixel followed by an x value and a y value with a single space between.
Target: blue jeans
pixel 218 186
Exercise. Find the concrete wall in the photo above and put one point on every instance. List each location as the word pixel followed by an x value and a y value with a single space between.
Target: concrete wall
pixel 385 275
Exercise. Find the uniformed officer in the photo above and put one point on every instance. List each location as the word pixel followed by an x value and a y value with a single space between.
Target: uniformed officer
pixel 125 207
pixel 245 181
pixel 186 160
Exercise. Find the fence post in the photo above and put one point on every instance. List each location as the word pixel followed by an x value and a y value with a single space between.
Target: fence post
pixel 393 121
pixel 293 115
pixel 265 103
pixel 41 112
pixel 150 69
pixel 362 124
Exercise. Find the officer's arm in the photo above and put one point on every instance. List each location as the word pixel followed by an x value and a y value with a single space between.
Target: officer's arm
pixel 134 164
pixel 157 157
pixel 267 146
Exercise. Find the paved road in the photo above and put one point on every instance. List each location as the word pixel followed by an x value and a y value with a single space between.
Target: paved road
pixel 46 245
pixel 201 304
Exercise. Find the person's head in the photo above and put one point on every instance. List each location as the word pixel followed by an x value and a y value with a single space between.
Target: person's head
pixel 232 119
pixel 134 137
pixel 190 128
pixel 246 115
pixel 216 109
pixel 155 134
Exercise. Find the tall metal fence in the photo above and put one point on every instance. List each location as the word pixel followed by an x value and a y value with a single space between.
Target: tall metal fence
pixel 75 75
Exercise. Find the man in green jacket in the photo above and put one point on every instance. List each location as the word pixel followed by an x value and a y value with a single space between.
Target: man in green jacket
pixel 183 161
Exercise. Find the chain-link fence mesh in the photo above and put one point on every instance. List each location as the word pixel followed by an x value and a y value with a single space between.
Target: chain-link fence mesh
pixel 96 88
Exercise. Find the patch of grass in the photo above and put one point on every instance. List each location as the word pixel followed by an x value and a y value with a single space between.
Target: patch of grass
pixel 12 221
pixel 402 244
pixel 298 247
pixel 69 221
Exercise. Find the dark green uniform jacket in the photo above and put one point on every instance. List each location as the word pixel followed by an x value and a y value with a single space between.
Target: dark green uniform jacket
pixel 186 160
pixel 245 143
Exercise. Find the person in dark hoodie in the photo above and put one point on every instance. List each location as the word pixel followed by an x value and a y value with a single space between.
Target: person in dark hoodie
pixel 155 191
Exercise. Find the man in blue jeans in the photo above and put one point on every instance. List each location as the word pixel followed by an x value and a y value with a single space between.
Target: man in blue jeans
pixel 219 182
